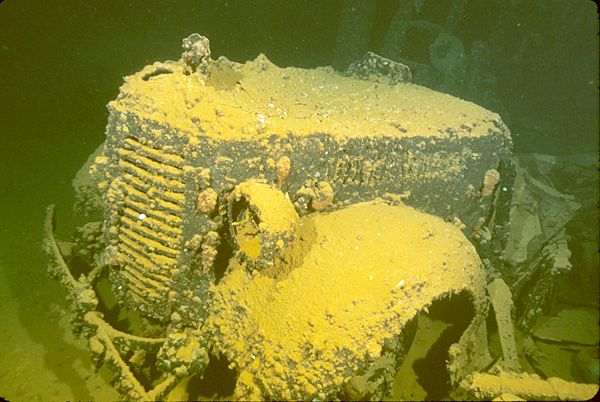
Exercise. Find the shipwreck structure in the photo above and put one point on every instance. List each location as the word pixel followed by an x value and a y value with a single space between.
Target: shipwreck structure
pixel 295 221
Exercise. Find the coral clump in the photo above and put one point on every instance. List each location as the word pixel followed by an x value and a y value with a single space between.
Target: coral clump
pixel 207 200
pixel 283 169
pixel 491 180
pixel 323 196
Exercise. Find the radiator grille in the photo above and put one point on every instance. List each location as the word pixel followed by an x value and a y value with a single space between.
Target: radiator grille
pixel 150 230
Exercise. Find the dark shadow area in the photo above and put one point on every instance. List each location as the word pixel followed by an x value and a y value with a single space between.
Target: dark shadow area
pixel 119 317
pixel 78 266
pixel 478 20
pixel 431 371
pixel 218 381
pixel 384 12
pixel 434 11
pixel 494 345
pixel 225 248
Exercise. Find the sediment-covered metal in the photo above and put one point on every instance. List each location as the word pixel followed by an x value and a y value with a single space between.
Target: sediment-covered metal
pixel 107 345
pixel 262 220
pixel 206 170
pixel 338 300
pixel 179 142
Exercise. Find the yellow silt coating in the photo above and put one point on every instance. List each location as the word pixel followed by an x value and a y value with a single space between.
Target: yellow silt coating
pixel 348 284
pixel 263 220
pixel 256 100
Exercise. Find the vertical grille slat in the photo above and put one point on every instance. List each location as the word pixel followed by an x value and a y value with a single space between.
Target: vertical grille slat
pixel 149 232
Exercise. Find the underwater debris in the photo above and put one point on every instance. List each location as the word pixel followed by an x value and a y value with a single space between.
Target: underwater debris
pixel 223 193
